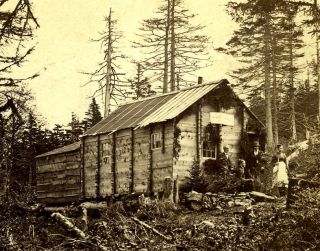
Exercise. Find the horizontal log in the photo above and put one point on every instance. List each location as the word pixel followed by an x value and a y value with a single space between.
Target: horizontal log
pixel 51 176
pixel 57 167
pixel 65 194
pixel 57 200
pixel 59 187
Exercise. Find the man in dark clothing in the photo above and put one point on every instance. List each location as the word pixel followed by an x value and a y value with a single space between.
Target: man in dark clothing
pixel 224 159
pixel 256 165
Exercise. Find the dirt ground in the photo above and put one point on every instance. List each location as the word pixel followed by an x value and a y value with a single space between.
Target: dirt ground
pixel 168 227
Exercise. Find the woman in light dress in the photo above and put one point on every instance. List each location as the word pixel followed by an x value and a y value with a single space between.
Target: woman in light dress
pixel 280 172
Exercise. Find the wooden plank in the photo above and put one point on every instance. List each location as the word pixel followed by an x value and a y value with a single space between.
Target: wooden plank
pixel 59 200
pixel 113 163
pixel 58 168
pixel 59 194
pixel 98 167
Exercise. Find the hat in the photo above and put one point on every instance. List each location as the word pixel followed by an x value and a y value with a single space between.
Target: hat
pixel 256 143
pixel 226 146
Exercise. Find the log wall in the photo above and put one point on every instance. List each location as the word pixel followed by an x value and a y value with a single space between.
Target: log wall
pixel 162 157
pixel 58 178
pixel 141 163
pixel 126 161
pixel 90 156
pixel 192 125
pixel 187 141
pixel 106 174
pixel 123 161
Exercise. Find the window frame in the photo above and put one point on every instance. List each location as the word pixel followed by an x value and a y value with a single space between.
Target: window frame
pixel 213 150
pixel 156 141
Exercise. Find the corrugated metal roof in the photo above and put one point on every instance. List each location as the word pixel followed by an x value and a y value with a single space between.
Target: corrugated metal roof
pixel 177 104
pixel 151 110
pixel 68 148
pixel 140 113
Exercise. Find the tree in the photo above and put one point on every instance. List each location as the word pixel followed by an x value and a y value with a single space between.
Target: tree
pixel 93 115
pixel 106 75
pixel 16 28
pixel 173 47
pixel 140 85
pixel 267 44
pixel 253 43
pixel 76 128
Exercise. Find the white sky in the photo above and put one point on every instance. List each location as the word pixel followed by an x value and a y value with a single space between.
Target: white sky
pixel 64 48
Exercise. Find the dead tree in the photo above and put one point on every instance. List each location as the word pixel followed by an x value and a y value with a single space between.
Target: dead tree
pixel 110 86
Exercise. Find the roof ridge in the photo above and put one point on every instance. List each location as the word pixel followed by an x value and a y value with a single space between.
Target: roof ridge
pixel 170 93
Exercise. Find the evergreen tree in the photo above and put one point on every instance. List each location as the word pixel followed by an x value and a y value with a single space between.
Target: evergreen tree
pixel 75 128
pixel 93 115
pixel 267 44
pixel 196 180
pixel 173 47
pixel 140 85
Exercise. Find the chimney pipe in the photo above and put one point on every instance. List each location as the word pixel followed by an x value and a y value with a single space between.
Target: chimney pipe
pixel 200 79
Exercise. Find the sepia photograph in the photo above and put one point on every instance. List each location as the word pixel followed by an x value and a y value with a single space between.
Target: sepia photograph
pixel 159 125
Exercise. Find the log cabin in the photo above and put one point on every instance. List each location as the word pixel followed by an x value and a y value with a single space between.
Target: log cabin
pixel 144 141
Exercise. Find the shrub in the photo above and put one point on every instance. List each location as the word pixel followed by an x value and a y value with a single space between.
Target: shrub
pixel 196 181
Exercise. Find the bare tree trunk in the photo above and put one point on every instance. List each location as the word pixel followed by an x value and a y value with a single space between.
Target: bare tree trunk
pixel 267 84
pixel 173 49
pixel 166 51
pixel 292 92
pixel 275 91
pixel 108 74
pixel 316 9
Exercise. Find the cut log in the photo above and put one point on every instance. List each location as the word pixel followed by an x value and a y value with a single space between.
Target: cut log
pixel 84 218
pixel 258 196
pixel 68 225
pixel 91 205
pixel 151 228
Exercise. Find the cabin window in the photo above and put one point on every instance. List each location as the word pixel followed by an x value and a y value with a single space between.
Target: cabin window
pixel 156 140
pixel 210 141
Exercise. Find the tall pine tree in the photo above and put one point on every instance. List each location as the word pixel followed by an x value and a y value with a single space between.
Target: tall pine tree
pixel 173 47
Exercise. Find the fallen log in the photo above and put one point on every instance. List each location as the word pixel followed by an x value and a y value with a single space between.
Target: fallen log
pixel 95 205
pixel 258 196
pixel 68 225
pixel 151 228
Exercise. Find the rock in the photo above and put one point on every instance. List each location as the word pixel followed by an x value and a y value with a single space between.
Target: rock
pixel 207 223
pixel 258 196
pixel 195 205
pixel 231 203
pixel 194 196
pixel 243 202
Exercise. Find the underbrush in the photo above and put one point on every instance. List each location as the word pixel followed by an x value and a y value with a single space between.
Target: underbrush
pixel 118 227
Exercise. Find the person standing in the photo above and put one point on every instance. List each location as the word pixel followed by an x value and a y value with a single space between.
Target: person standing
pixel 280 178
pixel 224 159
pixel 255 169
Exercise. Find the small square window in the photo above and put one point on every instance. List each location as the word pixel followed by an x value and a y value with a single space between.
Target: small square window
pixel 156 140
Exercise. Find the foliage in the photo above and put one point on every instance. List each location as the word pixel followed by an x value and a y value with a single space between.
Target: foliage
pixel 17 23
pixel 176 142
pixel 196 180
pixel 308 162
pixel 141 85
pixel 93 115
pixel 222 182
pixel 173 47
